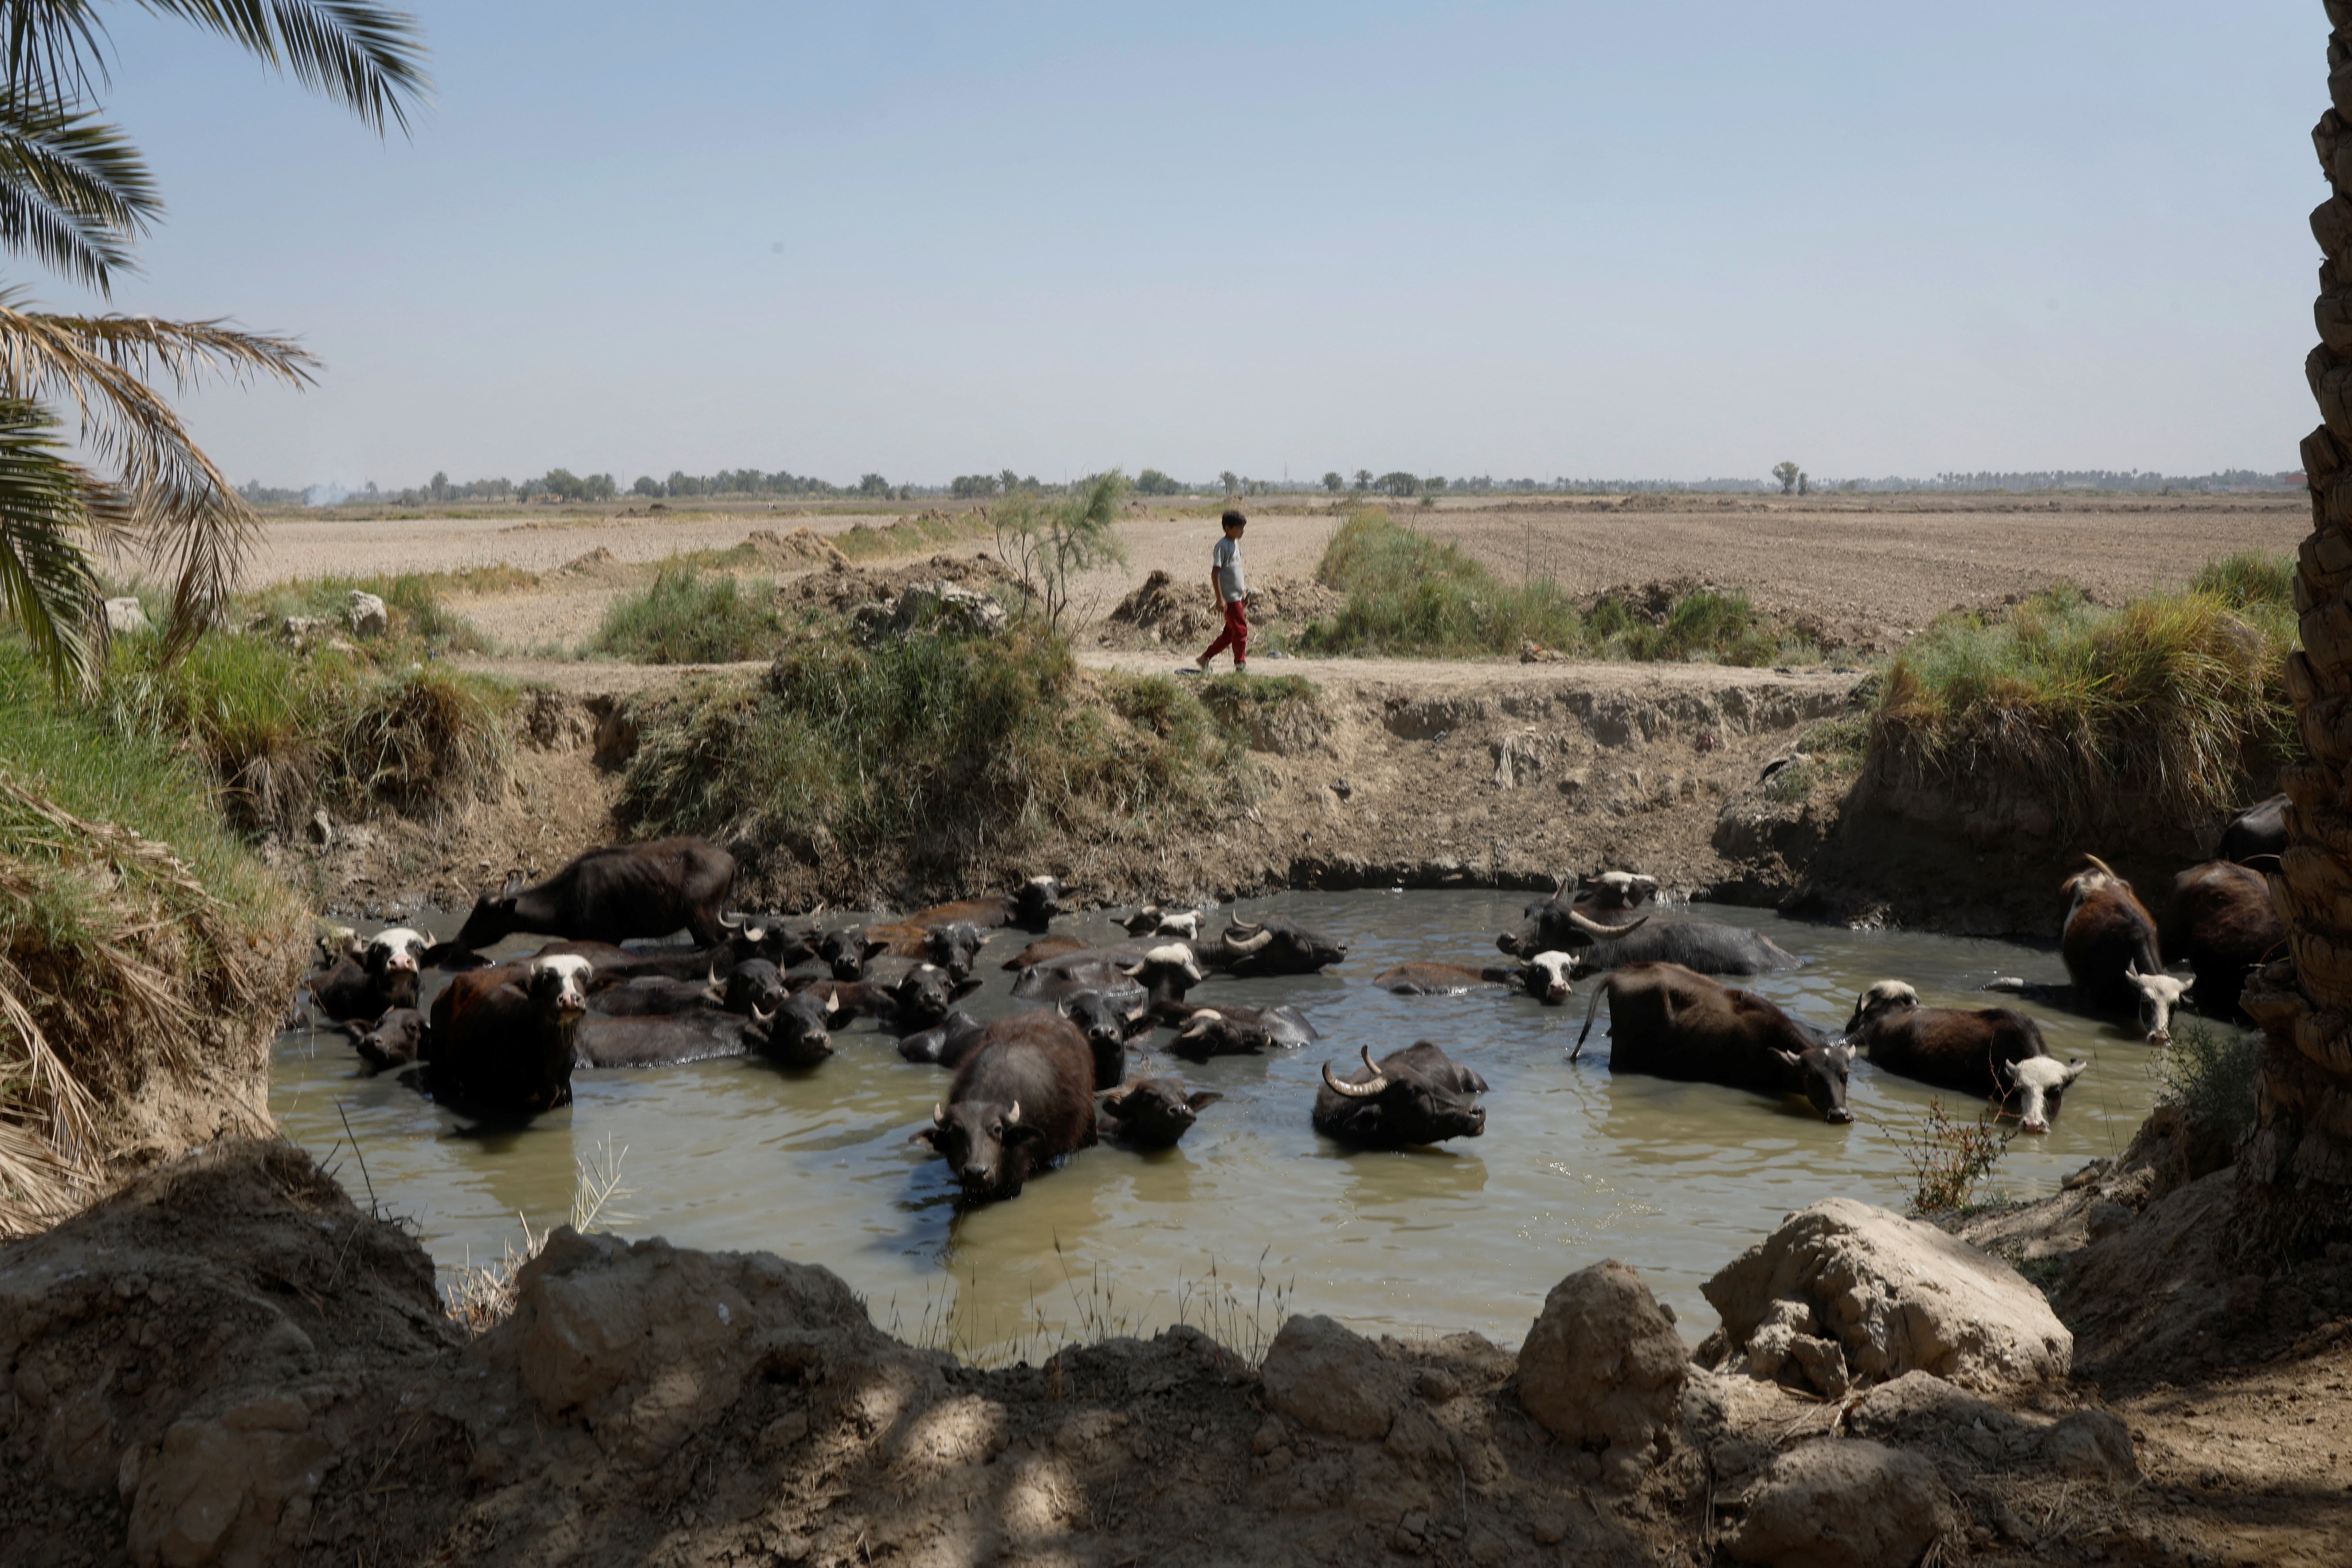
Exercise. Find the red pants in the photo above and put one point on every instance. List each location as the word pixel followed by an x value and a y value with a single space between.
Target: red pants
pixel 1236 633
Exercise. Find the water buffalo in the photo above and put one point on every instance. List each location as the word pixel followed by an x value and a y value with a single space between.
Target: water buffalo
pixel 616 893
pixel 659 1039
pixel 501 1041
pixel 373 975
pixel 915 1000
pixel 2112 954
pixel 1284 1025
pixel 1422 978
pixel 752 986
pixel 2220 922
pixel 1108 1022
pixel 1989 1052
pixel 797 1033
pixel 1211 1032
pixel 1415 1096
pixel 1590 945
pixel 1151 920
pixel 2256 835
pixel 945 1043
pixel 1617 891
pixel 1022 1100
pixel 392 1040
pixel 952 945
pixel 1150 1112
pixel 1032 908
pixel 1161 975
pixel 617 966
pixel 1044 948
pixel 1669 1021
pixel 1544 977
pixel 1271 946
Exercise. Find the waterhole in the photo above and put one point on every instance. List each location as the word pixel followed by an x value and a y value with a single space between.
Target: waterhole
pixel 1253 1214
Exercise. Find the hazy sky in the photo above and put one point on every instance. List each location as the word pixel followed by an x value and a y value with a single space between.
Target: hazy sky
pixel 1640 238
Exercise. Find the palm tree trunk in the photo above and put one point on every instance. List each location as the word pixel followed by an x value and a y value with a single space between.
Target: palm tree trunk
pixel 2295 1172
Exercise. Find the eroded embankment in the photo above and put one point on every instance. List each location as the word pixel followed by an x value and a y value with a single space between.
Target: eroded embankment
pixel 1394 774
pixel 228 1362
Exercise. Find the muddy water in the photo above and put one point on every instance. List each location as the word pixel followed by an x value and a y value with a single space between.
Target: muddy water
pixel 1254 1213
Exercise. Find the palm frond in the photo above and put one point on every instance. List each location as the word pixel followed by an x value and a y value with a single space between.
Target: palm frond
pixel 189 519
pixel 73 191
pixel 368 57
pixel 47 503
pixel 55 52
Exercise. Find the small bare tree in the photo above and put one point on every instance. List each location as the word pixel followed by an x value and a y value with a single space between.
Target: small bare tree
pixel 1050 545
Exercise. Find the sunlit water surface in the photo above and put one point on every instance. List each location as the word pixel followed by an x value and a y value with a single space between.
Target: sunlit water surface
pixel 1254 1213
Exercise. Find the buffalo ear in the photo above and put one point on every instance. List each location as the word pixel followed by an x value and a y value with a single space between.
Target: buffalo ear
pixel 2005 1071
pixel 1202 1099
pixel 873 949
pixel 1789 1058
pixel 963 988
pixel 928 1137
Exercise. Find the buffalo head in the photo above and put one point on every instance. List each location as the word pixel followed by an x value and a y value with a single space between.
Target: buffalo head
pixel 923 994
pixel 1166 973
pixel 1552 926
pixel 1620 889
pixel 1151 1113
pixel 560 985
pixel 797 1033
pixel 1545 977
pixel 752 986
pixel 846 953
pixel 1105 1023
pixel 1276 946
pixel 1418 1095
pixel 1209 1033
pixel 2158 996
pixel 953 947
pixel 492 921
pixel 1820 1072
pixel 2037 1082
pixel 1884 997
pixel 1038 901
pixel 984 1143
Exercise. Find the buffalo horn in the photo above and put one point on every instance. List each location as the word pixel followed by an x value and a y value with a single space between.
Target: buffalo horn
pixel 1358 1090
pixel 939 1115
pixel 732 922
pixel 1591 927
pixel 1013 1117
pixel 764 1020
pixel 1257 937
pixel 1199 1023
pixel 508 889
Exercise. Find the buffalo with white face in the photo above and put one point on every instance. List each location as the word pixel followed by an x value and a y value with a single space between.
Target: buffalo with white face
pixel 1991 1051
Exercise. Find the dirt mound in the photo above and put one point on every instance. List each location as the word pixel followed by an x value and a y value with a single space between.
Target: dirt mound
pixel 803 547
pixel 840 590
pixel 1162 609
pixel 599 566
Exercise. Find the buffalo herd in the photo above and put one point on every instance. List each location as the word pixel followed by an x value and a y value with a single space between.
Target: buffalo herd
pixel 501 1040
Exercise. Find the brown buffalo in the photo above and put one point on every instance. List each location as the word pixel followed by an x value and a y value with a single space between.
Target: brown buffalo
pixel 2111 953
pixel 1672 1021
pixel 1989 1051
pixel 2219 921
pixel 1022 1100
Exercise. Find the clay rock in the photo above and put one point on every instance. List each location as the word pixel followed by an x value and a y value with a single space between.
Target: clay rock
pixel 1332 1379
pixel 1603 1367
pixel 365 614
pixel 1895 1295
pixel 126 617
pixel 949 606
pixel 1841 1502
pixel 647 1342
pixel 217 1491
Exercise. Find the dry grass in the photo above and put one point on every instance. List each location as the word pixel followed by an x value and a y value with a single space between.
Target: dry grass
pixel 1949 1159
pixel 481 1296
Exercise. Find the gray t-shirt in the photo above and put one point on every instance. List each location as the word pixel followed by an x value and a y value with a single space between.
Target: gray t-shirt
pixel 1227 560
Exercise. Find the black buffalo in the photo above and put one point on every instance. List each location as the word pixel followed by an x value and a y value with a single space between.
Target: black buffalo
pixel 501 1041
pixel 945 1043
pixel 2257 835
pixel 1044 948
pixel 914 1000
pixel 1590 945
pixel 1109 1023
pixel 1022 1098
pixel 1993 1052
pixel 1671 1022
pixel 1271 946
pixel 1150 1112
pixel 395 1040
pixel 372 974
pixel 1421 977
pixel 1281 1025
pixel 1158 976
pixel 1415 1096
pixel 616 893
pixel 2219 921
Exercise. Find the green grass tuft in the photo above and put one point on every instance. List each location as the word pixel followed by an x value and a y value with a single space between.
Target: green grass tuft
pixel 2176 700
pixel 684 617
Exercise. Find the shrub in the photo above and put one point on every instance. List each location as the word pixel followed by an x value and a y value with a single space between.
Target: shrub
pixel 2178 699
pixel 142 947
pixel 925 751
pixel 1949 1159
pixel 2210 1071
pixel 419 621
pixel 685 618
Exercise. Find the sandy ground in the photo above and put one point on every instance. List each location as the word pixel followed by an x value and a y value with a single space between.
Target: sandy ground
pixel 1866 572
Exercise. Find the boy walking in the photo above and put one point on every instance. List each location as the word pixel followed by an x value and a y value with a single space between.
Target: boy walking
pixel 1232 594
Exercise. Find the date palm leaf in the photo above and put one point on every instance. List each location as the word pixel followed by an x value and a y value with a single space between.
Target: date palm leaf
pixel 48 506
pixel 183 512
pixel 74 193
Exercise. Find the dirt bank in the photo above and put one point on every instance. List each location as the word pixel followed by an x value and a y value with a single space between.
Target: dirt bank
pixel 228 1362
pixel 1409 773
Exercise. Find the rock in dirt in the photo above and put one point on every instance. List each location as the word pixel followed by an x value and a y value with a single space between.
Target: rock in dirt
pixel 1332 1379
pixel 365 615
pixel 649 1343
pixel 1923 1410
pixel 126 617
pixel 1603 1367
pixel 1894 1295
pixel 1841 1502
